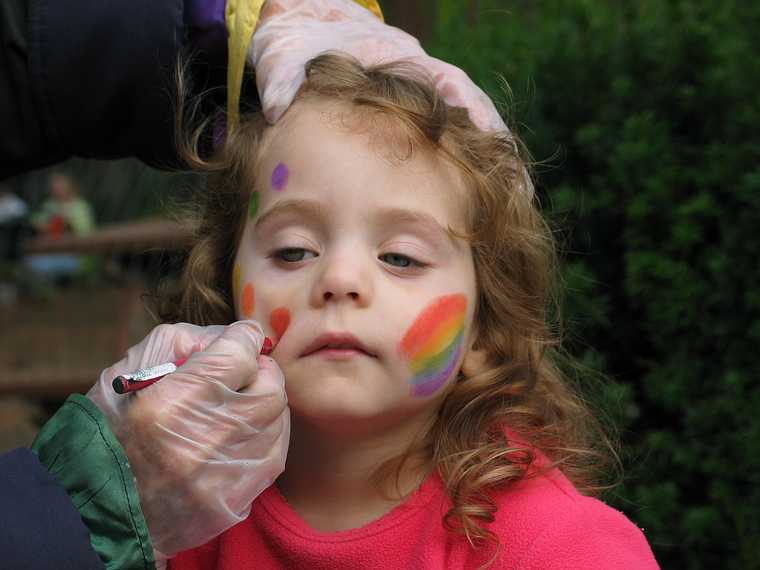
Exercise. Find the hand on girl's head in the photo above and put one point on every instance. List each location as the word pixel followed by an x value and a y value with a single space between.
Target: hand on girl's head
pixel 291 32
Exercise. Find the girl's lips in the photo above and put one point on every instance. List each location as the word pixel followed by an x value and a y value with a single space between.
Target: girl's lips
pixel 338 353
pixel 336 344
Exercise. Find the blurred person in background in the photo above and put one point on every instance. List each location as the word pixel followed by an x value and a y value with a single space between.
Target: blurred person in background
pixel 64 212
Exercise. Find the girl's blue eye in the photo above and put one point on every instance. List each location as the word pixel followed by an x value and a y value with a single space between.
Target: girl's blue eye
pixel 399 260
pixel 292 254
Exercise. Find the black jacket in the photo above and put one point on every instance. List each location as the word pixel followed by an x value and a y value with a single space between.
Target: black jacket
pixel 93 79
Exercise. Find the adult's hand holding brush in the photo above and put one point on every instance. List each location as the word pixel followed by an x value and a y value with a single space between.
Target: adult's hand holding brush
pixel 209 438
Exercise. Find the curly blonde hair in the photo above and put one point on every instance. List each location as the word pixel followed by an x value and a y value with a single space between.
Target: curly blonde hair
pixel 520 384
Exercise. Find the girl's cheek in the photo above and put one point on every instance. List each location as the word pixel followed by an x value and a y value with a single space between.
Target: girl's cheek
pixel 236 284
pixel 279 320
pixel 248 301
pixel 433 344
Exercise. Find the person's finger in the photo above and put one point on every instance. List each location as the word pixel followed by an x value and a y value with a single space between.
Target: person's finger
pixel 192 338
pixel 266 392
pixel 458 90
pixel 230 359
pixel 278 93
pixel 167 343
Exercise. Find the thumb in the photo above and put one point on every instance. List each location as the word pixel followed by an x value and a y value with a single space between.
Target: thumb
pixel 230 359
pixel 280 90
pixel 268 391
pixel 269 378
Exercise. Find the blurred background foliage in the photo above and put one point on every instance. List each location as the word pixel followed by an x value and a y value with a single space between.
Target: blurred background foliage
pixel 643 118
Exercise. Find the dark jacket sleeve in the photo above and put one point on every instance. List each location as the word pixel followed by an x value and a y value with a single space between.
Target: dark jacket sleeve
pixel 89 79
pixel 39 526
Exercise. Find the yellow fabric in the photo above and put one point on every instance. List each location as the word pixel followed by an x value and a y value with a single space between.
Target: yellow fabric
pixel 372 6
pixel 241 17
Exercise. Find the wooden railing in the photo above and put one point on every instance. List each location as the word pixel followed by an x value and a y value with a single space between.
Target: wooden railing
pixel 130 237
pixel 57 344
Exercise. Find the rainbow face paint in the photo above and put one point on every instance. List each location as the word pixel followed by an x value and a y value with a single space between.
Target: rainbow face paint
pixel 279 320
pixel 280 176
pixel 249 301
pixel 433 344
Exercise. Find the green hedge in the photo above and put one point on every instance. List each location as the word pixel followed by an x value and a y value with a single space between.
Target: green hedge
pixel 644 118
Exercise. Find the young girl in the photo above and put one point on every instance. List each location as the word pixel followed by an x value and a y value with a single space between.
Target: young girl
pixel 396 254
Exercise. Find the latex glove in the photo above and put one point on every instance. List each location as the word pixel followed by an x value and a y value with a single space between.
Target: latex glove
pixel 291 32
pixel 205 441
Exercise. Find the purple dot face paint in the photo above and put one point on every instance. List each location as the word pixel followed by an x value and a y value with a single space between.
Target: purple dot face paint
pixel 280 177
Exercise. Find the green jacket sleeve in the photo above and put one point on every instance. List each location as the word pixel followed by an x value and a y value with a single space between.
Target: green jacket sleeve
pixel 83 455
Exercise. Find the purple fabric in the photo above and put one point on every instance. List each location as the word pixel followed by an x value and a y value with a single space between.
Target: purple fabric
pixel 220 130
pixel 205 20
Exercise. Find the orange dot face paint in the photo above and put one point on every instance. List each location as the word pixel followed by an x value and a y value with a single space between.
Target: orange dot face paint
pixel 248 304
pixel 433 344
pixel 279 320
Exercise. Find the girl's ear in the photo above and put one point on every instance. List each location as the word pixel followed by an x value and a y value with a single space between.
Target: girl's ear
pixel 475 359
pixel 474 362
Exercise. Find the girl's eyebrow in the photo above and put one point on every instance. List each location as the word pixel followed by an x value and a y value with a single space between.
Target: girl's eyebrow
pixel 388 216
pixel 292 207
pixel 384 217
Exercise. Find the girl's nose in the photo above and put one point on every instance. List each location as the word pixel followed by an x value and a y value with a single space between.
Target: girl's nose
pixel 342 277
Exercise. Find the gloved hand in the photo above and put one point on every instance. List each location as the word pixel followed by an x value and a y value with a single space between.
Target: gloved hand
pixel 291 32
pixel 205 441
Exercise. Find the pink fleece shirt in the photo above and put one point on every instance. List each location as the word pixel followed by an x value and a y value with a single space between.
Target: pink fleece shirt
pixel 543 523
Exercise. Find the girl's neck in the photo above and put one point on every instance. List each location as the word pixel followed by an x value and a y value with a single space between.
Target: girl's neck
pixel 332 483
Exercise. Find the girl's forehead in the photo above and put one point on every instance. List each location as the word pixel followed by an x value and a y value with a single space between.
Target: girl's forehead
pixel 319 138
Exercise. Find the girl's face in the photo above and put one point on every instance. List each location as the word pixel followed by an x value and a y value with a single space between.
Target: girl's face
pixel 346 262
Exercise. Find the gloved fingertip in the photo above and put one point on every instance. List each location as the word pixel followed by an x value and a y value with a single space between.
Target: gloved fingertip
pixel 247 323
pixel 274 116
pixel 279 95
pixel 273 113
pixel 267 368
pixel 253 328
pixel 264 362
